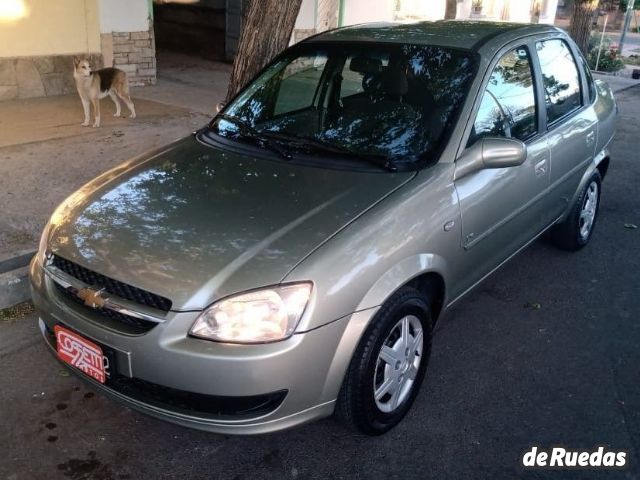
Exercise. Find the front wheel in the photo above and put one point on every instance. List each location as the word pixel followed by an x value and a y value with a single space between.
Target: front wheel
pixel 575 232
pixel 388 366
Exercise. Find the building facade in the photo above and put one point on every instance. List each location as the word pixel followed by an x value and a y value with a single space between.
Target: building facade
pixel 39 38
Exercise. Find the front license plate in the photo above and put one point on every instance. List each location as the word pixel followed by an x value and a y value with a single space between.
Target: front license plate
pixel 80 353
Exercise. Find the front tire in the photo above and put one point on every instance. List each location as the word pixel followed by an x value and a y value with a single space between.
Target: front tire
pixel 575 232
pixel 388 366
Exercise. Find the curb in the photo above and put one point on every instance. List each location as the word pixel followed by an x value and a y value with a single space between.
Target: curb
pixel 14 282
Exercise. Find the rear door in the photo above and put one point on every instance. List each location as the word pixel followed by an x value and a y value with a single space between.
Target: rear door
pixel 502 209
pixel 571 122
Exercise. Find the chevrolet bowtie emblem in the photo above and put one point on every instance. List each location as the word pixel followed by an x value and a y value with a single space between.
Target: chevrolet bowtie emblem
pixel 92 298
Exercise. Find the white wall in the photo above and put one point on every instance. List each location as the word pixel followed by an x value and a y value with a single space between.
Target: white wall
pixel 422 10
pixel 520 11
pixel 124 15
pixel 307 17
pixel 50 27
pixel 548 14
pixel 464 9
pixel 360 11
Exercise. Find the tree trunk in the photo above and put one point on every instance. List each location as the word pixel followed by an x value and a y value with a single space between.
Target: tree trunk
pixel 266 31
pixel 452 10
pixel 584 13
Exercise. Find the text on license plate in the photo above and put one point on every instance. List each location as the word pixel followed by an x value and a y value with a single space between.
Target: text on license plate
pixel 81 353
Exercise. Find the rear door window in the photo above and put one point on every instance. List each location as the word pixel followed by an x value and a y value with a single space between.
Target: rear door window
pixel 587 75
pixel 560 79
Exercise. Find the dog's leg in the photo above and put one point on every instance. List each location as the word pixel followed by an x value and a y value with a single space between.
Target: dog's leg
pixel 87 112
pixel 127 99
pixel 114 97
pixel 96 112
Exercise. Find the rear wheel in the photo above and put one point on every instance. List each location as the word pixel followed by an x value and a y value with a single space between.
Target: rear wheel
pixel 575 232
pixel 388 366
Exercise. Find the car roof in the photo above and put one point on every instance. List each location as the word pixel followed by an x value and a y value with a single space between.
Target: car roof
pixel 471 35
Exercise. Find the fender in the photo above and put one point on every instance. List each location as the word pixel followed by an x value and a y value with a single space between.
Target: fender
pixel 401 274
pixel 593 166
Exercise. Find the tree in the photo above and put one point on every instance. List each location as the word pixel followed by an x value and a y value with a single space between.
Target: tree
pixel 583 14
pixel 451 10
pixel 266 30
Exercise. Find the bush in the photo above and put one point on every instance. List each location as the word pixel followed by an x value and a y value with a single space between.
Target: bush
pixel 610 61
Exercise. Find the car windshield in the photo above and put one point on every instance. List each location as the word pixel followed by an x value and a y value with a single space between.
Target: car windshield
pixel 388 101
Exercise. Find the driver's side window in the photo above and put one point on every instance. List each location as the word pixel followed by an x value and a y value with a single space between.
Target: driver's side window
pixel 508 106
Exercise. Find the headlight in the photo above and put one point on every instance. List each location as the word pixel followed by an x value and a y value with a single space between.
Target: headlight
pixel 265 315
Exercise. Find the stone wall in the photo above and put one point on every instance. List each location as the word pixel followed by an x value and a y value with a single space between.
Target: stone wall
pixel 133 52
pixel 27 77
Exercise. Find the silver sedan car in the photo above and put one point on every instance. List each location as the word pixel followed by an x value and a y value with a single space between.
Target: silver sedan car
pixel 289 260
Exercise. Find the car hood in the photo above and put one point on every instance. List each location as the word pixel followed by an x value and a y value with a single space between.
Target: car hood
pixel 194 223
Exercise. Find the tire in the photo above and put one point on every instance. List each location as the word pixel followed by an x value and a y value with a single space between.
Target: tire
pixel 577 229
pixel 371 368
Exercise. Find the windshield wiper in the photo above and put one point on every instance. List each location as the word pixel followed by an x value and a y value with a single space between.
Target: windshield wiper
pixel 311 145
pixel 262 138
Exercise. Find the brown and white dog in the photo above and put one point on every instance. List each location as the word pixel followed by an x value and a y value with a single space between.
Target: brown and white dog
pixel 94 85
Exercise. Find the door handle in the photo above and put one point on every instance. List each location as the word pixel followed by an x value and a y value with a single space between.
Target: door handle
pixel 591 138
pixel 541 167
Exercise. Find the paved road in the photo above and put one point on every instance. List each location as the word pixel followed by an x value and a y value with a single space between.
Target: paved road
pixel 502 377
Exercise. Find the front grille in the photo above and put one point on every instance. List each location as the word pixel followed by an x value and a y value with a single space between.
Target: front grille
pixel 132 325
pixel 114 287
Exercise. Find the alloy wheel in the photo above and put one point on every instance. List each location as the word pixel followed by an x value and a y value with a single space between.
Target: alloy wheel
pixel 398 363
pixel 588 212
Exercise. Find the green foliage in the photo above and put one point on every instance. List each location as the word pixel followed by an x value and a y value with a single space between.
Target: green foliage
pixel 610 61
pixel 623 5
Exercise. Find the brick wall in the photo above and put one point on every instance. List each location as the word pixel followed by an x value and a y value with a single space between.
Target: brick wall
pixel 133 52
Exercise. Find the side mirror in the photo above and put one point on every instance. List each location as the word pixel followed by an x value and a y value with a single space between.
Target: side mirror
pixel 491 152
pixel 220 106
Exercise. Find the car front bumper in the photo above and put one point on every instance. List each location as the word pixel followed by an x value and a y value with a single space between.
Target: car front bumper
pixel 169 375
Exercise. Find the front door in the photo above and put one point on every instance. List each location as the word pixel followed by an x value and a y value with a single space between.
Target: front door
pixel 502 209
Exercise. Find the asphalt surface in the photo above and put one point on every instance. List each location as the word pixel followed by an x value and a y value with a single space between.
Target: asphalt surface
pixel 546 352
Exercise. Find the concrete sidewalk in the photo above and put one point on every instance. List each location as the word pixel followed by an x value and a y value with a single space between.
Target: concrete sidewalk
pixel 48 118
pixel 620 82
pixel 187 82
